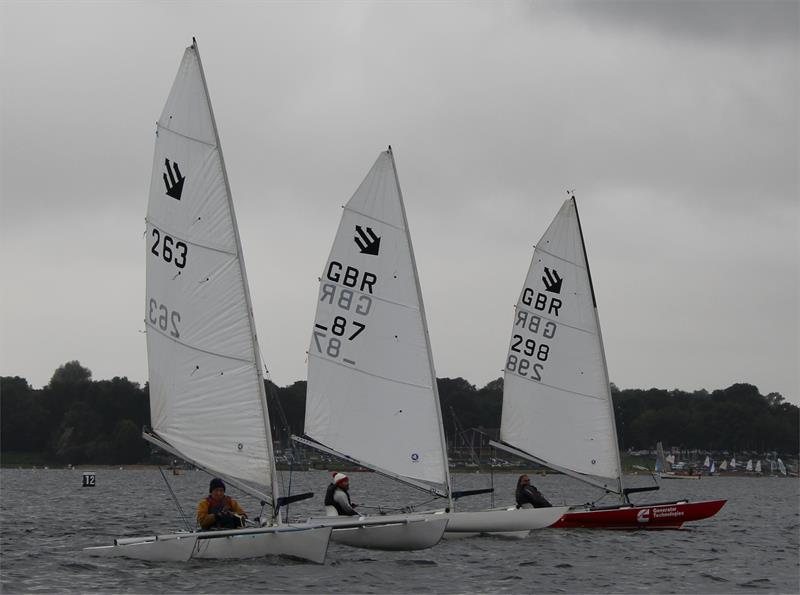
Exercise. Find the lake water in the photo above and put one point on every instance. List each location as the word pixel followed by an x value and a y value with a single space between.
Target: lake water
pixel 750 546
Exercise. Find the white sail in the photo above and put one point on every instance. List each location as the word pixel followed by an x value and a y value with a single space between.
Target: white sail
pixel 713 468
pixel 371 384
pixel 663 463
pixel 758 466
pixel 556 399
pixel 749 466
pixel 723 466
pixel 781 467
pixel 707 462
pixel 733 463
pixel 206 391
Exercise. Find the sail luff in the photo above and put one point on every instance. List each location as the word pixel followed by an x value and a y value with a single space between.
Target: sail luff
pixel 434 384
pixel 271 479
pixel 609 397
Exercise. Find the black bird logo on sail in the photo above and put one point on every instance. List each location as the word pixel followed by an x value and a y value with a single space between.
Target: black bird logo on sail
pixel 552 281
pixel 175 182
pixel 367 241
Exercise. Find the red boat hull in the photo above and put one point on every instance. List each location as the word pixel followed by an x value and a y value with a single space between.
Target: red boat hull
pixel 664 515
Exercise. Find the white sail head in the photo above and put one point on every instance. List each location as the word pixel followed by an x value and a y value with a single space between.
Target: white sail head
pixel 371 392
pixel 556 398
pixel 205 397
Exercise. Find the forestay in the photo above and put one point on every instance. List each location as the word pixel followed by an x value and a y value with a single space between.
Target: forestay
pixel 206 394
pixel 556 398
pixel 371 384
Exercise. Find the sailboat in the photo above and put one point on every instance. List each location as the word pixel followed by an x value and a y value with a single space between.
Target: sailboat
pixel 207 394
pixel 372 397
pixel 663 468
pixel 782 468
pixel 758 467
pixel 557 405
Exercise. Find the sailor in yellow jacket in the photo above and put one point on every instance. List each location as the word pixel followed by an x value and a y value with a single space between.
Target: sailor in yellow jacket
pixel 218 511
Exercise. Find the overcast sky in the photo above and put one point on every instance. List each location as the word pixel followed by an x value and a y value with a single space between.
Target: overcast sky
pixel 676 123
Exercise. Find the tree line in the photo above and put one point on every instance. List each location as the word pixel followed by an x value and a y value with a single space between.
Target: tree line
pixel 78 420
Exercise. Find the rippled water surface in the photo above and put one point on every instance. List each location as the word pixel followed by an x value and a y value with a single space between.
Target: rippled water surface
pixel 750 546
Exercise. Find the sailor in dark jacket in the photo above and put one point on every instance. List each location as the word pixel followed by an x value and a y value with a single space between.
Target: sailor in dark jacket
pixel 528 496
pixel 337 497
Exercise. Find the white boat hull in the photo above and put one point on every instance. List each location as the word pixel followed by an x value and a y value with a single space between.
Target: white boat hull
pixel 169 548
pixel 391 532
pixel 511 521
pixel 308 543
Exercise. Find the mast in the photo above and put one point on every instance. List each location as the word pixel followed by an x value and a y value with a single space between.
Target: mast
pixel 609 398
pixel 437 404
pixel 256 352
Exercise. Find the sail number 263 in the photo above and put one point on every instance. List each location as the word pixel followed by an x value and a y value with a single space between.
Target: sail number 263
pixel 168 249
pixel 163 318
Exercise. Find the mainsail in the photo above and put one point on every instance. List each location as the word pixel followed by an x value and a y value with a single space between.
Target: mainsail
pixel 207 398
pixel 557 406
pixel 372 392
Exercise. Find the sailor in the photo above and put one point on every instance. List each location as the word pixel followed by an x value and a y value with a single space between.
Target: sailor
pixel 528 496
pixel 337 497
pixel 218 511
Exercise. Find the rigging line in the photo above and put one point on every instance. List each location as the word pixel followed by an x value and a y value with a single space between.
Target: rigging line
pixel 175 498
pixel 360 371
pixel 193 348
pixel 557 257
pixel 392 225
pixel 563 390
pixel 188 241
pixel 186 136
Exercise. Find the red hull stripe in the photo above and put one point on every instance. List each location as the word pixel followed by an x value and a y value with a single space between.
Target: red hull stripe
pixel 660 516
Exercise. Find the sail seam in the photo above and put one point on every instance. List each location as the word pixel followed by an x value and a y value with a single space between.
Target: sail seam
pixel 565 390
pixel 188 241
pixel 554 321
pixel 369 373
pixel 346 208
pixel 186 136
pixel 193 348
pixel 561 258
pixel 372 295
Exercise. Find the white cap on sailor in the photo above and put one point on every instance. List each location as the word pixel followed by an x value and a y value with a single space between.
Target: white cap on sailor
pixel 339 477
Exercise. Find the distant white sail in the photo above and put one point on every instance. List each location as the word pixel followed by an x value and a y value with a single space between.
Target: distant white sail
pixel 556 399
pixel 206 393
pixel 371 384
pixel 723 466
pixel 733 464
pixel 713 467
pixel 781 467
pixel 749 466
pixel 758 466
pixel 707 462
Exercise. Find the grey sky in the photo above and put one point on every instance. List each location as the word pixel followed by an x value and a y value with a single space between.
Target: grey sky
pixel 676 123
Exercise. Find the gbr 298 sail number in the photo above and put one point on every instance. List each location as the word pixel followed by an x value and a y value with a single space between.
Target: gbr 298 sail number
pixel 519 364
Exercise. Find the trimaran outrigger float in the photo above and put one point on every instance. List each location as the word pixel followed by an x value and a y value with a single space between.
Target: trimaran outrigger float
pixel 372 398
pixel 557 406
pixel 207 394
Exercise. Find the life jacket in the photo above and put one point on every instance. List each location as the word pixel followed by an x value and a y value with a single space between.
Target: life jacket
pixel 331 501
pixel 216 508
pixel 529 495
